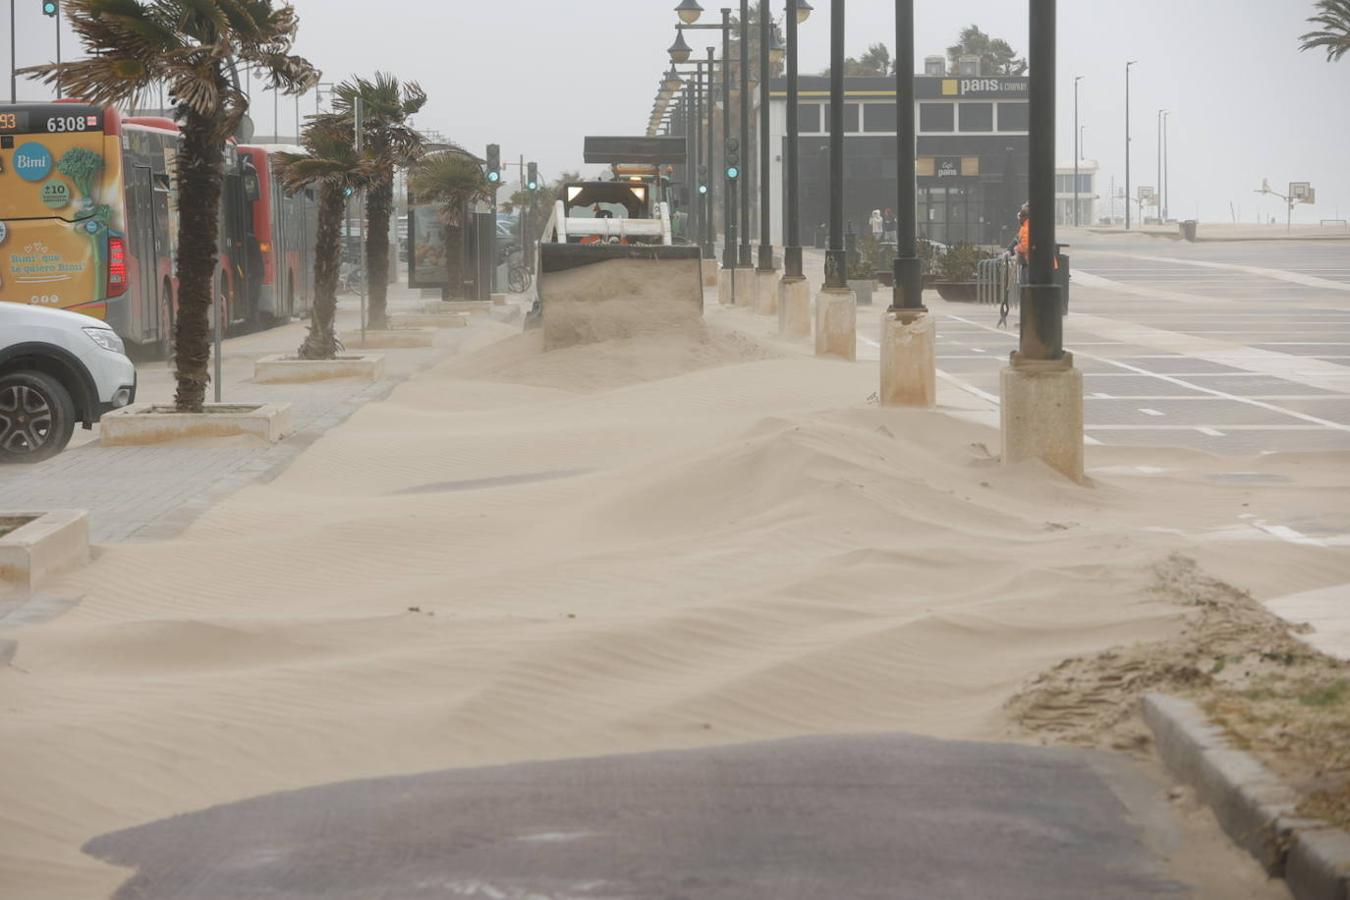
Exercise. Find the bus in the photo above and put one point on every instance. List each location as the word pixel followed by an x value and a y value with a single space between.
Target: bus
pixel 285 226
pixel 89 223
pixel 87 218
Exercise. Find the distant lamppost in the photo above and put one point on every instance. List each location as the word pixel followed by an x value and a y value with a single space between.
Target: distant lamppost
pixel 766 51
pixel 1127 141
pixel 836 261
pixel 1167 176
pixel 1076 134
pixel 1157 200
pixel 744 258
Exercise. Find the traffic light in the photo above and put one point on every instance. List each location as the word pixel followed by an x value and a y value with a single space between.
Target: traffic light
pixel 733 158
pixel 494 164
pixel 703 179
pixel 49 7
pixel 532 180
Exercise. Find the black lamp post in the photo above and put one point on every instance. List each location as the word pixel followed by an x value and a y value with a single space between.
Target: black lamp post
pixel 1042 332
pixel 709 231
pixel 765 40
pixel 797 11
pixel 836 260
pixel 907 293
pixel 744 258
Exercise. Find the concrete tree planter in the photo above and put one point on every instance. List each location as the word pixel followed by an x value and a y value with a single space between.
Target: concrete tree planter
pixel 428 320
pixel 390 338
pixel 281 369
pixel 958 291
pixel 149 423
pixel 35 546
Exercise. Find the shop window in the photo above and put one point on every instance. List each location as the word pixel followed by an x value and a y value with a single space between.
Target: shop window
pixel 977 117
pixel 879 117
pixel 1014 117
pixel 850 118
pixel 937 117
pixel 808 118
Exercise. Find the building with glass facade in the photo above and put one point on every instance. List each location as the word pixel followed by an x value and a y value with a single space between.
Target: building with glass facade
pixel 972 154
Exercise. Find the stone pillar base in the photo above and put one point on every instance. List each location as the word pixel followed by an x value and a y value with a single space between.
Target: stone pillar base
pixel 908 359
pixel 837 324
pixel 766 292
pixel 1042 414
pixel 724 281
pixel 794 307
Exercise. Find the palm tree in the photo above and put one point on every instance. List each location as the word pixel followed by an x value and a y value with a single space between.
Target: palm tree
pixel 452 179
pixel 386 106
pixel 195 47
pixel 331 163
pixel 1334 17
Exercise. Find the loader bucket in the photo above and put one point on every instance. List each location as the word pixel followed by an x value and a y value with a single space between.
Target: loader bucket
pixel 591 293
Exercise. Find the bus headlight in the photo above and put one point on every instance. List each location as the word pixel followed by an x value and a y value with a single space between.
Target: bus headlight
pixel 107 339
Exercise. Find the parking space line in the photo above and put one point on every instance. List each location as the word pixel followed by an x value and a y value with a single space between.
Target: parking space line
pixel 1173 379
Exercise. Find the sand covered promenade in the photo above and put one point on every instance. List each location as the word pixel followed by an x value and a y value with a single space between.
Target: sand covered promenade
pixel 643 545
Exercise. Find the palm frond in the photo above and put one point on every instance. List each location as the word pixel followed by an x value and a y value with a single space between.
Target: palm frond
pixel 1334 36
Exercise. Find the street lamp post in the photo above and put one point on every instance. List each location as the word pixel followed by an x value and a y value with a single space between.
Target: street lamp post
pixel 794 294
pixel 836 261
pixel 1042 336
pixel 1041 407
pixel 1076 135
pixel 1127 142
pixel 1167 176
pixel 709 202
pixel 765 239
pixel 1157 199
pixel 729 189
pixel 907 293
pixel 744 260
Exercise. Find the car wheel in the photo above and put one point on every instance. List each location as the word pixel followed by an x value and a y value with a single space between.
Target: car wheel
pixel 37 417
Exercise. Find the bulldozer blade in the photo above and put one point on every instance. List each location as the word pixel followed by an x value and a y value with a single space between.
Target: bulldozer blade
pixel 590 293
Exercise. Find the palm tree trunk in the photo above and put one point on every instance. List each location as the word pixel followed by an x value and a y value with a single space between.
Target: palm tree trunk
pixel 379 203
pixel 321 343
pixel 201 172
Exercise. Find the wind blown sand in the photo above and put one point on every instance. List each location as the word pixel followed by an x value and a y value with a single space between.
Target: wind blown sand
pixel 643 544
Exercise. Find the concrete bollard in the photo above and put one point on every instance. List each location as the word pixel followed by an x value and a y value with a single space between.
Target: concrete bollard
pixel 908 358
pixel 724 285
pixel 766 292
pixel 837 324
pixel 1041 413
pixel 794 307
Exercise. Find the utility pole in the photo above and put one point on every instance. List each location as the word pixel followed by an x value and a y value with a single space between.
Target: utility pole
pixel 729 190
pixel 1167 176
pixel 56 16
pixel 1157 200
pixel 1127 142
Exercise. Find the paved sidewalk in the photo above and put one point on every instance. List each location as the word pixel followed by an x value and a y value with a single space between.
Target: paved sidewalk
pixel 153 492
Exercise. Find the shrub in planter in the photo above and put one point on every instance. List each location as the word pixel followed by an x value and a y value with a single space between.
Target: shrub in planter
pixel 959 264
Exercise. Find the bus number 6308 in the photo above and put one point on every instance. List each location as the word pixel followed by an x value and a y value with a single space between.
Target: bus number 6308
pixel 57 124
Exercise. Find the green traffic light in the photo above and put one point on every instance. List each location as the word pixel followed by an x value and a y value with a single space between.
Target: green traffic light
pixel 494 177
pixel 703 189
pixel 733 172
pixel 49 8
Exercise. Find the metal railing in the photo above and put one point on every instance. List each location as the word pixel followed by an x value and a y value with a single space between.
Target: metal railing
pixel 997 281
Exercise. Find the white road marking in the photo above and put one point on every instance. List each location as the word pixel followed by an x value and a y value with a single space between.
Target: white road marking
pixel 1150 412
pixel 1212 432
pixel 1173 379
pixel 1100 396
pixel 1277 274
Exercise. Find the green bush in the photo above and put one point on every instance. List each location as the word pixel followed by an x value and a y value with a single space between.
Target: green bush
pixel 959 263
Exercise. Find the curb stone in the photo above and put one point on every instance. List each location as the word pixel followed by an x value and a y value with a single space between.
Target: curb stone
pixel 1255 809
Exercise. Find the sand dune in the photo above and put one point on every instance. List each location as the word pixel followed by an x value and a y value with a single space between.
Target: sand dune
pixel 637 545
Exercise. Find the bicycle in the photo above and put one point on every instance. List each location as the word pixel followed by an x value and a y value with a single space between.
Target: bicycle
pixel 518 278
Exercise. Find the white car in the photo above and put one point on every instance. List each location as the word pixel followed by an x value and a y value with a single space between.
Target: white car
pixel 56 368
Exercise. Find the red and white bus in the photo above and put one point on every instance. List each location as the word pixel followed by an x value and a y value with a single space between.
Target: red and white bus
pixel 285 226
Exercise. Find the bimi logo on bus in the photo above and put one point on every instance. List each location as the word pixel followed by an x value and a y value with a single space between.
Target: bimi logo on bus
pixel 33 162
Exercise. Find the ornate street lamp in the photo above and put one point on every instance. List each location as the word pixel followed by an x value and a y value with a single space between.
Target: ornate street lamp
pixel 689 11
pixel 803 11
pixel 679 51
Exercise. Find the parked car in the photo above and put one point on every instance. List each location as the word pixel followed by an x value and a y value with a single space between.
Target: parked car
pixel 57 368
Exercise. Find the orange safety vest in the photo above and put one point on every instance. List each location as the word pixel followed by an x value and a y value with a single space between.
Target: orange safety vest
pixel 1024 243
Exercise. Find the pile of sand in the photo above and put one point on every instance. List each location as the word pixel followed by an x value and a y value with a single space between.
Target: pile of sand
pixel 638 545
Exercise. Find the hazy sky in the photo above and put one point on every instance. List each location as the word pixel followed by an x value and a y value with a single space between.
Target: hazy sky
pixel 537 75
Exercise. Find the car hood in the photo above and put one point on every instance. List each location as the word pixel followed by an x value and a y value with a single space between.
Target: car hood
pixel 15 315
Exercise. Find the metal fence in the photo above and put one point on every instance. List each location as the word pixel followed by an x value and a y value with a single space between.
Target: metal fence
pixel 997 281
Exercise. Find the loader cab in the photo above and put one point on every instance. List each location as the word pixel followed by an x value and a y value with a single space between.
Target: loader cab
pixel 606 199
